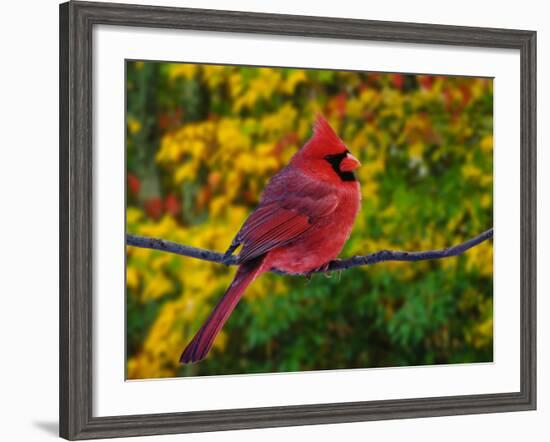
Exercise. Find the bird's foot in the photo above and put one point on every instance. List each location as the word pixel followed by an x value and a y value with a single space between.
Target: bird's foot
pixel 228 259
pixel 322 269
pixel 228 255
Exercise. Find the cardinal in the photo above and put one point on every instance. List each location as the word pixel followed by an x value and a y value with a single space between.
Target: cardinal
pixel 304 218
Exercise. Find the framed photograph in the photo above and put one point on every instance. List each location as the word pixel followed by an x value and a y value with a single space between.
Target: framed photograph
pixel 271 220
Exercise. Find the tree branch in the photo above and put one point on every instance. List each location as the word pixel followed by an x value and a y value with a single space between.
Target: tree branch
pixel 338 264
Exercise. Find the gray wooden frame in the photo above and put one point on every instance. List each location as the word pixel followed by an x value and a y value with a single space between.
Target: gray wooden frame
pixel 77 20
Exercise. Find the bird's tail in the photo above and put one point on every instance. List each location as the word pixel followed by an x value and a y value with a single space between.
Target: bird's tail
pixel 201 343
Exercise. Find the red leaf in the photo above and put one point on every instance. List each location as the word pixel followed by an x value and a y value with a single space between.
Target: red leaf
pixel 154 207
pixel 426 81
pixel 466 94
pixel 398 80
pixel 133 183
pixel 172 204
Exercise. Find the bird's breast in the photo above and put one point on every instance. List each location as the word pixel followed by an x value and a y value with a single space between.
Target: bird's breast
pixel 320 244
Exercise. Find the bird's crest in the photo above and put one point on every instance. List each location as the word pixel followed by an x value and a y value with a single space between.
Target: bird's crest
pixel 324 140
pixel 323 130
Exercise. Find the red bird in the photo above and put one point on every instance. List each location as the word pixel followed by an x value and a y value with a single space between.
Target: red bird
pixel 302 222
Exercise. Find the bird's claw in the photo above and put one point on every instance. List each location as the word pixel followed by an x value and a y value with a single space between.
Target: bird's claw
pixel 228 259
pixel 322 269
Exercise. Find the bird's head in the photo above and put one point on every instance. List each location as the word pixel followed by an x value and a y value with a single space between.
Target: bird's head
pixel 326 155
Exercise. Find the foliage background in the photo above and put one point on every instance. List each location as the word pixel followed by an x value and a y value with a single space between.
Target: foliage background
pixel 202 141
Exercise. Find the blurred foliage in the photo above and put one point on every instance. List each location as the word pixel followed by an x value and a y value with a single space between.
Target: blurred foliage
pixel 203 140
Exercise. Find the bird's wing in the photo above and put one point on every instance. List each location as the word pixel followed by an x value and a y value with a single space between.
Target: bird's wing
pixel 290 206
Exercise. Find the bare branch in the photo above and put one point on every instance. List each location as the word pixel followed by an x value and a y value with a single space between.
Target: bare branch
pixel 338 264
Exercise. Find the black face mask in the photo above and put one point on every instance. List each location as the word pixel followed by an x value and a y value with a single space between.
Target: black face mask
pixel 335 160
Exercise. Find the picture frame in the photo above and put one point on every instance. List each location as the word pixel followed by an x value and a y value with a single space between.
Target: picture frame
pixel 77 21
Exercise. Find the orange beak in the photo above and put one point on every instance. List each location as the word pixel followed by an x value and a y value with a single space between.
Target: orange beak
pixel 349 163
